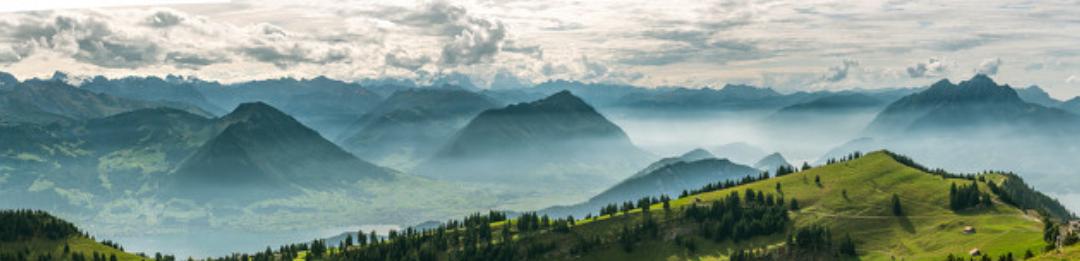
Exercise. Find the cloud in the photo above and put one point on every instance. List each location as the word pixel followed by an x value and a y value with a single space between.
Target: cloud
pixel 164 19
pixel 275 45
pixel 932 68
pixel 840 72
pixel 401 58
pixel 534 51
pixel 466 39
pixel 1073 79
pixel 989 66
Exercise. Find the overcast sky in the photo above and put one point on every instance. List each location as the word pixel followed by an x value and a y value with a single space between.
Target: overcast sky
pixel 789 45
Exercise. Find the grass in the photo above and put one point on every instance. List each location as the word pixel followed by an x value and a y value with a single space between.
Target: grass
pixel 1066 253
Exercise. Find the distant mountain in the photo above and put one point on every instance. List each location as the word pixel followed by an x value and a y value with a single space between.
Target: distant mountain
pixel 730 97
pixel 262 152
pixel 833 106
pixel 1072 105
pixel 771 163
pixel 44 101
pixel 671 178
pixel 151 88
pixel 693 155
pixel 412 124
pixel 1036 95
pixel 324 104
pixel 7 81
pixel 560 135
pixel 739 152
pixel 972 104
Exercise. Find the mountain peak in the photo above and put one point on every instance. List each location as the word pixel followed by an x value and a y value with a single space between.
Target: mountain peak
pixel 696 154
pixel 980 79
pixel 251 109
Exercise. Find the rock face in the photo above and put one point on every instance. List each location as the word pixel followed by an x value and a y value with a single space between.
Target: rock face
pixel 555 136
pixel 262 151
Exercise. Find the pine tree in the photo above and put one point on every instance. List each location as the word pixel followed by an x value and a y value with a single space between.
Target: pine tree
pixel 897 210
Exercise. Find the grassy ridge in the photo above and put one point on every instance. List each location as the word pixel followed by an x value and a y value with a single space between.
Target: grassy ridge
pixel 928 230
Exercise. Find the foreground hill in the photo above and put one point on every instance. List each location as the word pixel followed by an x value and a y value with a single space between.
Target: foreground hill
pixel 556 137
pixel 880 206
pixel 263 149
pixel 412 124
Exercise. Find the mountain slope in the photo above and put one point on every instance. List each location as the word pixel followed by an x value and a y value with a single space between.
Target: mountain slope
pixel 521 141
pixel 269 152
pixel 670 178
pixel 412 124
pixel 1072 105
pixel 1036 95
pixel 171 89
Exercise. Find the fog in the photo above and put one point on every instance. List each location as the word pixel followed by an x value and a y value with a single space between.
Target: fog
pixel 803 139
pixel 1045 160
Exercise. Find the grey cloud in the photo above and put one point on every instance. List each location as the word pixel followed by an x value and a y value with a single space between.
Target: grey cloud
pixel 401 59
pixel 957 44
pixel 287 56
pixel 716 52
pixel 193 60
pixel 163 19
pixel 840 72
pixel 531 50
pixel 989 67
pixel 931 68
pixel 1034 67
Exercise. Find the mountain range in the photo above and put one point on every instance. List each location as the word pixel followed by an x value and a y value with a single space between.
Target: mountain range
pixel 977 103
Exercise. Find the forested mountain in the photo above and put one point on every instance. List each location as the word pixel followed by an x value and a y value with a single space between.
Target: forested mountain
pixel 558 135
pixel 412 124
pixel 37 235
pixel 263 150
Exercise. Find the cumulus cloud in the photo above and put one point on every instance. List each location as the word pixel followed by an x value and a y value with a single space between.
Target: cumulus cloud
pixel 1073 79
pixel 840 72
pixel 989 66
pixel 932 68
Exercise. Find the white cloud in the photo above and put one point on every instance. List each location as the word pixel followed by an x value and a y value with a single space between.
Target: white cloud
pixel 932 68
pixel 989 66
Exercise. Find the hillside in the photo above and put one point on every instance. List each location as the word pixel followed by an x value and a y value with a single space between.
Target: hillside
pixel 267 152
pixel 36 235
pixel 1035 94
pixel 888 206
pixel 151 88
pixel 412 124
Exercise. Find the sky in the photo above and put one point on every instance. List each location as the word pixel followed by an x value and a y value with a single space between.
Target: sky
pixel 789 45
